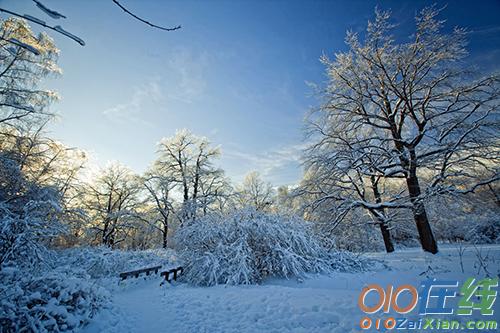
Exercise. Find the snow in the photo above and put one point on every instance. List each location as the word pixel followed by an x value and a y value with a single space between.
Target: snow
pixel 321 303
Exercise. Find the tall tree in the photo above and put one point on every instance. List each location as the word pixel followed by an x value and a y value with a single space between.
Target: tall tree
pixel 113 204
pixel 256 192
pixel 37 174
pixel 419 98
pixel 159 188
pixel 187 160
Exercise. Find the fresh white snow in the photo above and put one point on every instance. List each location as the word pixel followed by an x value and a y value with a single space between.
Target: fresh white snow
pixel 318 304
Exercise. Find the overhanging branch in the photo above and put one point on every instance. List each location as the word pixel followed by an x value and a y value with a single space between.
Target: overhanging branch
pixel 144 21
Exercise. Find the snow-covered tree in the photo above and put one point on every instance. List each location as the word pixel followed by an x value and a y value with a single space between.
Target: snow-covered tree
pixel 113 204
pixel 287 201
pixel 425 111
pixel 43 160
pixel 49 163
pixel 159 191
pixel 342 176
pixel 29 215
pixel 216 193
pixel 22 102
pixel 38 174
pixel 255 192
pixel 187 161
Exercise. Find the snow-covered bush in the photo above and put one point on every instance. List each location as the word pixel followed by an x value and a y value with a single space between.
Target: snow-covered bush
pixel 243 247
pixel 52 302
pixel 102 262
pixel 485 231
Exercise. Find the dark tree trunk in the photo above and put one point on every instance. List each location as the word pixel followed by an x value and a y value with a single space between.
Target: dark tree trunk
pixel 165 235
pixel 379 214
pixel 420 215
pixel 386 235
pixel 410 163
pixel 497 197
pixel 105 233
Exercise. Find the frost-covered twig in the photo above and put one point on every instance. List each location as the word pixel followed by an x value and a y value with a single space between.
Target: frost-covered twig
pixel 52 13
pixel 25 46
pixel 56 28
pixel 482 261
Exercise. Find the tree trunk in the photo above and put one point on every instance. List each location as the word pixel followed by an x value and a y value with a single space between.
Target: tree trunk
pixel 420 215
pixel 497 197
pixel 105 232
pixel 386 235
pixel 165 235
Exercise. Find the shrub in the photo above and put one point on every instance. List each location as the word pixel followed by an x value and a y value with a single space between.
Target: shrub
pixel 51 302
pixel 486 231
pixel 244 247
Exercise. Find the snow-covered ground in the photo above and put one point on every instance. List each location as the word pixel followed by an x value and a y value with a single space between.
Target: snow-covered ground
pixel 318 304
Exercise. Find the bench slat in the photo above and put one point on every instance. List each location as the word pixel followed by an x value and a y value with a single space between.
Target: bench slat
pixel 174 271
pixel 137 272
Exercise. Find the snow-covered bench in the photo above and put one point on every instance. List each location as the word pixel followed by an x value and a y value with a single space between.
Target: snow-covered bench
pixel 175 272
pixel 138 272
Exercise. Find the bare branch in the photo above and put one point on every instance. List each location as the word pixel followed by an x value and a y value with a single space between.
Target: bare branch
pixel 144 21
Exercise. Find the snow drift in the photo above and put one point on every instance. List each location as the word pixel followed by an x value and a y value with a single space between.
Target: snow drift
pixel 244 247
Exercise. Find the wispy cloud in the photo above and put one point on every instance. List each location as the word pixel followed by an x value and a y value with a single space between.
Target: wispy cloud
pixel 184 80
pixel 485 30
pixel 132 110
pixel 276 165
pixel 187 73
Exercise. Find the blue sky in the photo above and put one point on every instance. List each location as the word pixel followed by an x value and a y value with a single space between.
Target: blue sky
pixel 236 72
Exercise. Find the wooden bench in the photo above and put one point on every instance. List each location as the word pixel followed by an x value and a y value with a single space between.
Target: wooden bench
pixel 138 272
pixel 175 271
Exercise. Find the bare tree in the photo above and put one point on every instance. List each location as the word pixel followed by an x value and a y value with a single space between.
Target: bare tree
pixel 113 204
pixel 216 192
pixel 254 191
pixel 187 160
pixel 427 113
pixel 160 189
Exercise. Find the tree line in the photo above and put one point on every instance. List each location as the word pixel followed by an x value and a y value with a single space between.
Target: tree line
pixel 400 125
